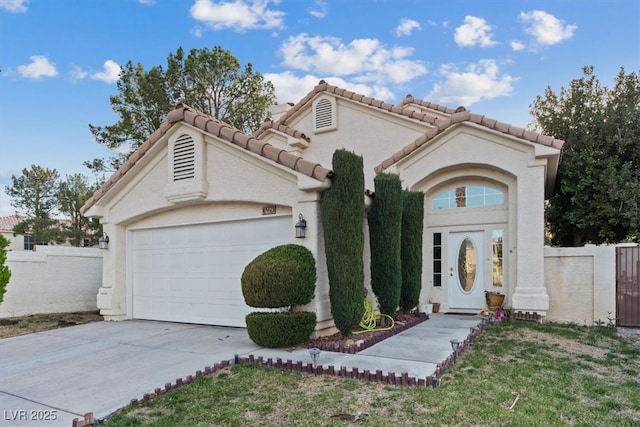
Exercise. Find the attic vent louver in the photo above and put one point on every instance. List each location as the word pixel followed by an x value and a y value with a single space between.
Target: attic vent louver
pixel 324 114
pixel 184 158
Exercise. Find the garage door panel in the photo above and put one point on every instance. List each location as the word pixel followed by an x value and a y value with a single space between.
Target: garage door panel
pixel 192 273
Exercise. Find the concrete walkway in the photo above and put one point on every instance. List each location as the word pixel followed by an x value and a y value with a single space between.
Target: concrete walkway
pixel 100 367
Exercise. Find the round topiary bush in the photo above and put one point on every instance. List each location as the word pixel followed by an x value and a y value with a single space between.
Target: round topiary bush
pixel 273 330
pixel 280 277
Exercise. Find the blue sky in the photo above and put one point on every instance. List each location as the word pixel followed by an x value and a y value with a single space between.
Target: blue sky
pixel 60 59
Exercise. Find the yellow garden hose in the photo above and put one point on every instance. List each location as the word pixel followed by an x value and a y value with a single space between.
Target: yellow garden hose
pixel 370 319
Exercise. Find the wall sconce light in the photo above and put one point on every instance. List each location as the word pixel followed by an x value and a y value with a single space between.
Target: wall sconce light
pixel 103 242
pixel 301 227
pixel 454 345
pixel 315 355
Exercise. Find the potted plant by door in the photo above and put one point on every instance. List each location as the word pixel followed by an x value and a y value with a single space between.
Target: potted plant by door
pixel 494 300
pixel 436 305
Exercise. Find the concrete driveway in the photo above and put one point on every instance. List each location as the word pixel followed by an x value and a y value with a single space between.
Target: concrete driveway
pixel 50 378
pixel 99 367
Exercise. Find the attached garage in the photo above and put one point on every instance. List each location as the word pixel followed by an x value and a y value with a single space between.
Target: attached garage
pixel 191 273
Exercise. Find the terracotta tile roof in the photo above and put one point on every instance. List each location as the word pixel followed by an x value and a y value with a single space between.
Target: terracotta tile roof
pixel 409 99
pixel 206 123
pixel 7 222
pixel 456 116
pixel 323 86
pixel 478 119
pixel 280 127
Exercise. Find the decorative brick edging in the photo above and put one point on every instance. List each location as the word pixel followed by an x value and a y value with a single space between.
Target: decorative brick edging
pixel 519 315
pixel 392 378
pixel 355 348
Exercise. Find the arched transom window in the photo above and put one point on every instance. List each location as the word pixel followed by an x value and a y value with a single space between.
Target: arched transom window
pixel 467 196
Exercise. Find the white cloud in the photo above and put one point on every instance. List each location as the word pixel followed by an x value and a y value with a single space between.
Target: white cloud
pixel 366 60
pixel 479 81
pixel 14 6
pixel 407 26
pixel 319 10
pixel 197 31
pixel 78 73
pixel 545 28
pixel 474 32
pixel 516 45
pixel 240 15
pixel 291 88
pixel 147 2
pixel 38 68
pixel 111 72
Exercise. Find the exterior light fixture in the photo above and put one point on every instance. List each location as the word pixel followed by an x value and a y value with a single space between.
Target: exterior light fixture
pixel 474 331
pixel 315 355
pixel 301 227
pixel 454 345
pixel 103 242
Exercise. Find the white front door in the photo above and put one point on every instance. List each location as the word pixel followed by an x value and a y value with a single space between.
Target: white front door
pixel 466 270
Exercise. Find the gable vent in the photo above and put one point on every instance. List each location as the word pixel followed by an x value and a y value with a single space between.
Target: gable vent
pixel 324 114
pixel 184 158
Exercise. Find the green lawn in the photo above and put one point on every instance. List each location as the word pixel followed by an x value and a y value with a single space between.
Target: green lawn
pixel 515 374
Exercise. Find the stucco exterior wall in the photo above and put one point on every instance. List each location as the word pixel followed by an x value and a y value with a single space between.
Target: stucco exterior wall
pixel 366 131
pixel 16 243
pixel 581 283
pixel 52 280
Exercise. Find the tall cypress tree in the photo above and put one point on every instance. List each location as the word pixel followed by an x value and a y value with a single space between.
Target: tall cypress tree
pixel 342 210
pixel 411 248
pixel 385 224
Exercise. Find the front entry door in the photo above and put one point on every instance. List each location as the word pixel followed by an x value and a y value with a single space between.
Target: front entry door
pixel 465 270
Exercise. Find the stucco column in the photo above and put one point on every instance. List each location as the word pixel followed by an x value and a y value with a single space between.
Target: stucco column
pixel 309 206
pixel 111 298
pixel 530 293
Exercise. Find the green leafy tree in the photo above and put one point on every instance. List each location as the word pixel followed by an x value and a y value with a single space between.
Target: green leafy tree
pixel 385 228
pixel 72 194
pixel 342 210
pixel 411 248
pixel 5 273
pixel 34 194
pixel 597 195
pixel 211 81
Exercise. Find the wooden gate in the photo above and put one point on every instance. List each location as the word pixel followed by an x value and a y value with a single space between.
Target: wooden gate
pixel 628 286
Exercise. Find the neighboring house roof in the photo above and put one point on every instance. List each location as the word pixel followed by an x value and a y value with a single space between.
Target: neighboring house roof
pixel 7 222
pixel 213 126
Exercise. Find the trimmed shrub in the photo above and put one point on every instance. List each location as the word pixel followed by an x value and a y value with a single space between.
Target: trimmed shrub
pixel 411 249
pixel 342 211
pixel 274 330
pixel 385 225
pixel 280 277
pixel 5 273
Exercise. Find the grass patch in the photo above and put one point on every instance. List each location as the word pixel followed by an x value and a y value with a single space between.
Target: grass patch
pixel 560 374
pixel 14 326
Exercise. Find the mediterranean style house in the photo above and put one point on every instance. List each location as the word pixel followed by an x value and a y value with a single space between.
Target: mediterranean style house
pixel 199 200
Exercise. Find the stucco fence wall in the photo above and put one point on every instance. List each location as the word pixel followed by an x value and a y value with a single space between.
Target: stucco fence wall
pixel 581 283
pixel 52 279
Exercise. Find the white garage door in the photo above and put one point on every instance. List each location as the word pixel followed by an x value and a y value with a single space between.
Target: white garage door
pixel 192 273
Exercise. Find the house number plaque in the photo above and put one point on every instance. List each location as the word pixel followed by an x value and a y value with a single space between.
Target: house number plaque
pixel 268 210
